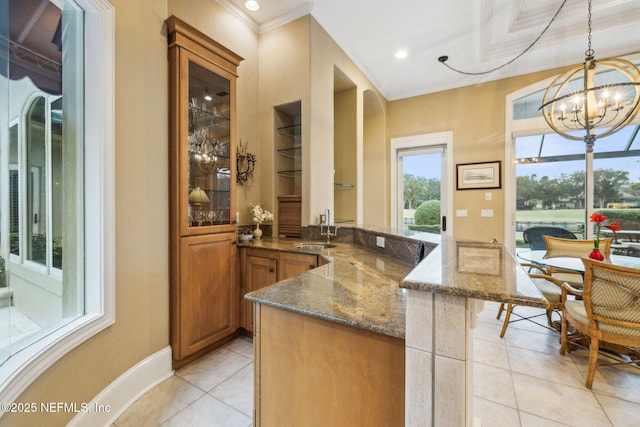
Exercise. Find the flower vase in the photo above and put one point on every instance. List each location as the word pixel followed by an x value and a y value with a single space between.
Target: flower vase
pixel 257 233
pixel 596 254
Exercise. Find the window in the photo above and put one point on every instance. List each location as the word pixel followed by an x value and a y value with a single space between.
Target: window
pixel 56 215
pixel 549 173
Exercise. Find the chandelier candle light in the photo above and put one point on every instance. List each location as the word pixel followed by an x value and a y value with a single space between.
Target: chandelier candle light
pixel 259 216
pixel 600 94
pixel 599 219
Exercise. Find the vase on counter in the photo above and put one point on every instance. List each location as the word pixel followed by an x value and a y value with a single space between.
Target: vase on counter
pixel 257 233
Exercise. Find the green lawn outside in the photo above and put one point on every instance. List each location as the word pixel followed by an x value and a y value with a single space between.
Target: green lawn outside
pixel 557 215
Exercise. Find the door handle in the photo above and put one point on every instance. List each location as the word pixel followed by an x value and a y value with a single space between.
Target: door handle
pixel 444 223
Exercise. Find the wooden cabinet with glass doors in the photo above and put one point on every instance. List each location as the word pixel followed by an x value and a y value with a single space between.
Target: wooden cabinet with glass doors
pixel 203 271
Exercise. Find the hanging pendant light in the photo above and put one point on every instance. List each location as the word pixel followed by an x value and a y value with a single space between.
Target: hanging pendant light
pixel 600 97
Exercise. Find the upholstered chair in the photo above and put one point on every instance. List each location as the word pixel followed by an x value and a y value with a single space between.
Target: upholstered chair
pixel 609 311
pixel 572 248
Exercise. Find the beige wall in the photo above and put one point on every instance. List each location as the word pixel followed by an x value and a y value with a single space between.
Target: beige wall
pixel 284 78
pixel 376 163
pixel 326 55
pixel 345 154
pixel 476 116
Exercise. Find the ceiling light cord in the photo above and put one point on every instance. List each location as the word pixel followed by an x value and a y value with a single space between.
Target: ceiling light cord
pixel 443 59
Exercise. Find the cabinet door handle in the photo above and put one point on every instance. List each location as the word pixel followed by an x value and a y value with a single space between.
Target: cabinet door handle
pixel 311 266
pixel 271 269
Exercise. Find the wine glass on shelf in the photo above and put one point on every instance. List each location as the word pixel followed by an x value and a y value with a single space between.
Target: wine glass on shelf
pixel 211 216
pixel 200 217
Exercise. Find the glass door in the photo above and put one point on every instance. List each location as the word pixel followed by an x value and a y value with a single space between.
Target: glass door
pixel 209 152
pixel 419 189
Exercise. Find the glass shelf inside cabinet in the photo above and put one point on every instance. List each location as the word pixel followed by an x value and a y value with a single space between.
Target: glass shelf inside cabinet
pixel 209 148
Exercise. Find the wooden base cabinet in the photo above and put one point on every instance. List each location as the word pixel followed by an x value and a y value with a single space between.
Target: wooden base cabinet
pixel 206 305
pixel 263 267
pixel 259 269
pixel 313 372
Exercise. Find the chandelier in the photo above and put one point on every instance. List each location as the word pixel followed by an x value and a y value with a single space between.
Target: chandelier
pixel 600 97
pixel 204 150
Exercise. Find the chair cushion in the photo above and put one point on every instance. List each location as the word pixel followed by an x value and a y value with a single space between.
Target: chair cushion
pixel 574 279
pixel 576 309
pixel 550 290
pixel 574 248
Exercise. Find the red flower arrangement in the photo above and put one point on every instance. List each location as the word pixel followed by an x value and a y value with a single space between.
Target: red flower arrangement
pixel 599 219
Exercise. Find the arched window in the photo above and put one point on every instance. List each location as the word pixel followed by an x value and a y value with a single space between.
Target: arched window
pixel 56 171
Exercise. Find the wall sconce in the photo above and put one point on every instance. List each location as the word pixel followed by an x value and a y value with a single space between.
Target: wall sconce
pixel 245 162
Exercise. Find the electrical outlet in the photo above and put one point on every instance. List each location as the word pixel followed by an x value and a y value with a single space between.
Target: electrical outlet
pixel 380 241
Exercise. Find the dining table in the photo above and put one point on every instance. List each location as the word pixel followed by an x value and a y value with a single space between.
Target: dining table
pixel 572 263
pixel 576 339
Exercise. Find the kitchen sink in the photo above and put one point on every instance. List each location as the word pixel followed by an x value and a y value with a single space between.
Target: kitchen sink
pixel 315 246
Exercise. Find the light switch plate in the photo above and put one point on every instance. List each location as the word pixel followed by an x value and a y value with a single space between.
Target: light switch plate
pixel 488 196
pixel 462 212
pixel 487 213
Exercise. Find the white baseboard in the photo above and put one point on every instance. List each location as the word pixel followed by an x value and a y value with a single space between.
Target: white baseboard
pixel 107 406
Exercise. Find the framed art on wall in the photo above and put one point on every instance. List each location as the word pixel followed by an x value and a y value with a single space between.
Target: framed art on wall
pixel 476 176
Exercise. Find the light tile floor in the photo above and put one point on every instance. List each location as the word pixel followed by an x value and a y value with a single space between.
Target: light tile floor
pixel 521 380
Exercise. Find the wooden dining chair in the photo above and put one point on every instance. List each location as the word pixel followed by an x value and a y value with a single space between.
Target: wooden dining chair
pixel 609 311
pixel 557 247
pixel 549 287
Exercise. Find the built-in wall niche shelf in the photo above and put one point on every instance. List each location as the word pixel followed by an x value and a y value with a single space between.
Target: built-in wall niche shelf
pixel 293 153
pixel 342 186
pixel 290 174
pixel 292 131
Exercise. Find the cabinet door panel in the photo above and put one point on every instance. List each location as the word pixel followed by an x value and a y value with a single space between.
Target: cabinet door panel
pixel 208 294
pixel 292 264
pixel 259 272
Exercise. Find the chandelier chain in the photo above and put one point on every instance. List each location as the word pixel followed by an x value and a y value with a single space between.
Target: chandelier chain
pixel 444 58
pixel 589 51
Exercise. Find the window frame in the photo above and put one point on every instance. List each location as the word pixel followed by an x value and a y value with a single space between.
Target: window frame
pixel 528 127
pixel 25 366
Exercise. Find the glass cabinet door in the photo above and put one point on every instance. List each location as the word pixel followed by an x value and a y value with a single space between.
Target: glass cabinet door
pixel 209 149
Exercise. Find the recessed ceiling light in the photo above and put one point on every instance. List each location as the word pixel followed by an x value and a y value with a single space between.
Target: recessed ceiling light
pixel 252 5
pixel 401 54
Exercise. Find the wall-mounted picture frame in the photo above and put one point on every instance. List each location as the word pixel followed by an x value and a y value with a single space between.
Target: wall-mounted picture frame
pixel 478 176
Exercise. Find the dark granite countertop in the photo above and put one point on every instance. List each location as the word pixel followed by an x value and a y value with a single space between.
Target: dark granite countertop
pixel 358 287
pixel 365 287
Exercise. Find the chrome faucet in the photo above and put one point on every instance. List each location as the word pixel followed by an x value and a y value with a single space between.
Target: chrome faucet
pixel 327 222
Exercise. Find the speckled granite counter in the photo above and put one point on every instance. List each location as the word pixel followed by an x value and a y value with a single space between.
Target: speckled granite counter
pixel 475 270
pixel 362 287
pixel 358 287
